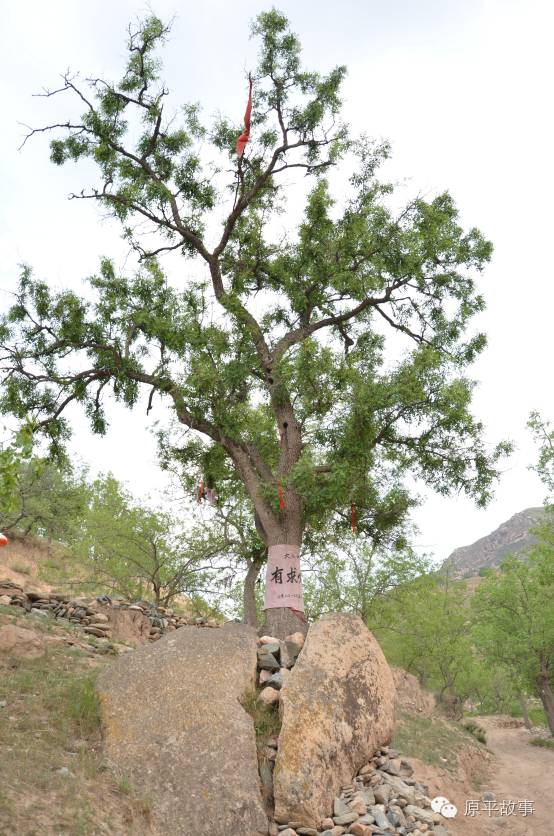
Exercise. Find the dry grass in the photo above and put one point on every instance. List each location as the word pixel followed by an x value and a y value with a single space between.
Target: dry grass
pixel 52 777
pixel 432 740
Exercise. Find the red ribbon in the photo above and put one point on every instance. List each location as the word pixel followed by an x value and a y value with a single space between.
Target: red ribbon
pixel 3 540
pixel 353 517
pixel 243 138
pixel 281 497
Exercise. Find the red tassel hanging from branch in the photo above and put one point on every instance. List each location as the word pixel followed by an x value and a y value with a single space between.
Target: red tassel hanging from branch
pixel 353 518
pixel 281 497
pixel 245 135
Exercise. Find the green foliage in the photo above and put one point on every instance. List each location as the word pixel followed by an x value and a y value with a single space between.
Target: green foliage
pixel 543 742
pixel 515 616
pixel 358 575
pixel 476 730
pixel 47 499
pixel 138 552
pixel 536 713
pixel 11 458
pixel 267 723
pixel 543 434
pixel 431 739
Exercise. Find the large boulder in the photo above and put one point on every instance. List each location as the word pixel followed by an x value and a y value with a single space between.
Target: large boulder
pixel 174 726
pixel 127 625
pixel 21 642
pixel 337 708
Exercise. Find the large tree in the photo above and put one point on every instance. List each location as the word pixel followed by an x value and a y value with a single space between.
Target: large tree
pixel 321 359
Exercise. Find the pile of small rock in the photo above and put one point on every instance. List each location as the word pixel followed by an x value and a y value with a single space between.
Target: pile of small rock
pixel 275 660
pixel 93 613
pixel 382 799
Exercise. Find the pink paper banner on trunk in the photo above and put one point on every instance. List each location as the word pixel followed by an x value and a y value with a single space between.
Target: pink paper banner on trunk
pixel 283 583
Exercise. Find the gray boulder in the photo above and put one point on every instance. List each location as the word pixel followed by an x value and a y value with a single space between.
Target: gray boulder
pixel 173 725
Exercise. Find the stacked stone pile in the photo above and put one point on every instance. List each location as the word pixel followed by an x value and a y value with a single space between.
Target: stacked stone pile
pixel 94 614
pixel 275 660
pixel 383 798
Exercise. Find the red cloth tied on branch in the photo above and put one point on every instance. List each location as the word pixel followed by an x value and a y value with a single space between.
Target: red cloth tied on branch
pixel 281 497
pixel 353 518
pixel 3 540
pixel 243 138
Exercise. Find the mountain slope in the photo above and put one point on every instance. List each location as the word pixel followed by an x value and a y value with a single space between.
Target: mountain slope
pixel 512 537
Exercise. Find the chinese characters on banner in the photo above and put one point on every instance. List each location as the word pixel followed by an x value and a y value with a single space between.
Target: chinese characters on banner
pixel 283 586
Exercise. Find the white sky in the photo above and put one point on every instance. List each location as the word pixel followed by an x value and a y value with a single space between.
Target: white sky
pixel 462 89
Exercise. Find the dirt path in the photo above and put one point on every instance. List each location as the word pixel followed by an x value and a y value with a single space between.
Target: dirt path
pixel 520 772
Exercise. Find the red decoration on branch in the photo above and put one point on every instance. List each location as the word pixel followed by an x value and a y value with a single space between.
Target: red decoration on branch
pixel 200 492
pixel 245 135
pixel 353 518
pixel 3 540
pixel 281 497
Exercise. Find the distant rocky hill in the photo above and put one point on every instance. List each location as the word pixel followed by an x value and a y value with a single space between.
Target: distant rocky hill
pixel 512 537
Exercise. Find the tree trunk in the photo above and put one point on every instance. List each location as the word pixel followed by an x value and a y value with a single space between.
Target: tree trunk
pixel 547 699
pixel 524 710
pixel 249 594
pixel 280 622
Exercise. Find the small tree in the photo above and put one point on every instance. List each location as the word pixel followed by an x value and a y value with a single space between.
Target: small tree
pixel 137 552
pixel 515 619
pixel 46 499
pixel 280 352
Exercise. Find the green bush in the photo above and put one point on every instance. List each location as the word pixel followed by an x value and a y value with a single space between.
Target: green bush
pixel 476 730
pixel 545 743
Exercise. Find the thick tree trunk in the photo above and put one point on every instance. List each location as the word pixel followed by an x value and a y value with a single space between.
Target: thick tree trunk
pixel 280 622
pixel 525 711
pixel 249 594
pixel 547 699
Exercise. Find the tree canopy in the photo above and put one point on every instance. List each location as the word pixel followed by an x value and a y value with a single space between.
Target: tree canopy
pixel 318 362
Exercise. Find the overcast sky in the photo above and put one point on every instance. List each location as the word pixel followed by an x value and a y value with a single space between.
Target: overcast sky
pixel 461 88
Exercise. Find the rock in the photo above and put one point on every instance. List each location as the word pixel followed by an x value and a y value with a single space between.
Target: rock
pixel 340 807
pixel 361 829
pixel 296 638
pixel 421 814
pixel 276 680
pixel 382 793
pixel 268 640
pixel 337 709
pixel 269 695
pixel 268 662
pixel 100 618
pixel 21 642
pixel 289 653
pixel 307 831
pixel 327 824
pixel 95 631
pixel 5 600
pixel 129 625
pixel 346 818
pixel 173 723
pixel 264 677
pixel 381 820
pixel 366 819
pixel 288 832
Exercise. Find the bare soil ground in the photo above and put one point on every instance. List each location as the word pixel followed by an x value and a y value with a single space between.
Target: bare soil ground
pixel 520 772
